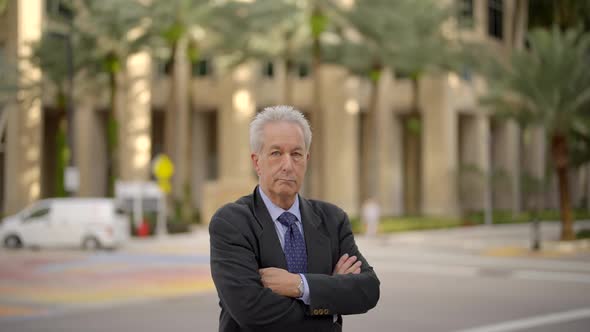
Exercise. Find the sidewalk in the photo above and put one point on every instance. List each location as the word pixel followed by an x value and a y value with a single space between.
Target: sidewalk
pixel 194 242
pixel 506 240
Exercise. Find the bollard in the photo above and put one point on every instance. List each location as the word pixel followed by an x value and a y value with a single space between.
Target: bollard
pixel 536 235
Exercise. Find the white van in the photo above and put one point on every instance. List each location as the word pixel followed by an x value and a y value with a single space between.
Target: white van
pixel 91 223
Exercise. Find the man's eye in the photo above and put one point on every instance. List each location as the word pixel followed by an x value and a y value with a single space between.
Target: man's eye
pixel 275 153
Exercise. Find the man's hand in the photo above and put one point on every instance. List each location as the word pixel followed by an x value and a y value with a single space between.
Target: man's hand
pixel 281 281
pixel 347 265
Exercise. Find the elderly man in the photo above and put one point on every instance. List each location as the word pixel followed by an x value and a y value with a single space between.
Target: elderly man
pixel 281 262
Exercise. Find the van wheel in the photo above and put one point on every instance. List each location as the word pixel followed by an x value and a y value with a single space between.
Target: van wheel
pixel 12 242
pixel 90 243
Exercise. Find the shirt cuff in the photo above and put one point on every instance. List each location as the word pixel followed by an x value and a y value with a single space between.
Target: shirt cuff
pixel 305 296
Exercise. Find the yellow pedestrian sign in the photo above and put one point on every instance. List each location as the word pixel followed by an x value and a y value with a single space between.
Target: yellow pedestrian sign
pixel 163 169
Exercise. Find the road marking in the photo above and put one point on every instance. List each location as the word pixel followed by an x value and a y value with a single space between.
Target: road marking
pixel 461 271
pixel 552 276
pixel 14 310
pixel 534 321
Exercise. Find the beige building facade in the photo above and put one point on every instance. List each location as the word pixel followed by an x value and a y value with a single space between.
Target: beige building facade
pixel 443 161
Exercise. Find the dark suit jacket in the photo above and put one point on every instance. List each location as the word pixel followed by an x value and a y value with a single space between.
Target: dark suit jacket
pixel 244 239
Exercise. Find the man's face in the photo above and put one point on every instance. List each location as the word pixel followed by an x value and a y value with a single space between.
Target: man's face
pixel 282 161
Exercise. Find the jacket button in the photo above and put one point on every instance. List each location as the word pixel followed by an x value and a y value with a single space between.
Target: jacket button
pixel 315 311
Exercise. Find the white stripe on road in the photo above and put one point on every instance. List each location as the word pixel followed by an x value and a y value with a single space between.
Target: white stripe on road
pixel 534 321
pixel 552 276
pixel 461 271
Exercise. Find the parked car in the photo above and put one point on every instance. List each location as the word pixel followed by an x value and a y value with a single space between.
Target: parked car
pixel 91 223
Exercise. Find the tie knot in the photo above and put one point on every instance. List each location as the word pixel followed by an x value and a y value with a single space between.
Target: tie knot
pixel 287 219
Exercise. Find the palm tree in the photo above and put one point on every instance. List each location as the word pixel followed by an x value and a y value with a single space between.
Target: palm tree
pixel 548 85
pixel 170 31
pixel 404 35
pixel 291 31
pixel 49 56
pixel 114 30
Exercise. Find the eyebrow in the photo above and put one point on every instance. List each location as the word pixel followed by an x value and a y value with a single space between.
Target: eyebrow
pixel 276 147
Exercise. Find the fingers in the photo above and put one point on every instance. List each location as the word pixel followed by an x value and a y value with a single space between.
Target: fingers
pixel 354 268
pixel 340 262
pixel 347 265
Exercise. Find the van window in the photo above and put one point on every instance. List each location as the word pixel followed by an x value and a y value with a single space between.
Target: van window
pixel 37 213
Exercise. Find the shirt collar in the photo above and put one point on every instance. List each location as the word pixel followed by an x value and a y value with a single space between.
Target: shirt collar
pixel 276 211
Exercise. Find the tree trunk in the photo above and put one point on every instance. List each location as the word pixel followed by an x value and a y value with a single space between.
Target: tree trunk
pixel 561 160
pixel 62 162
pixel 369 152
pixel 412 155
pixel 187 199
pixel 111 131
pixel 170 113
pixel 288 82
pixel 317 147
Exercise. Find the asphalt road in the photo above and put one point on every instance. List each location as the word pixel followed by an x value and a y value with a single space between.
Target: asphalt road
pixel 428 284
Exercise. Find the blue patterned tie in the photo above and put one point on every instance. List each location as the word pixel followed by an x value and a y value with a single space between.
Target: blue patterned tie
pixel 295 251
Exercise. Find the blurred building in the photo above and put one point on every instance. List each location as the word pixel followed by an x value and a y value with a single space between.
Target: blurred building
pixel 432 161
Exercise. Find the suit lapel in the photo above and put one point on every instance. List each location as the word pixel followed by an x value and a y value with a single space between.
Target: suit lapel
pixel 319 253
pixel 271 252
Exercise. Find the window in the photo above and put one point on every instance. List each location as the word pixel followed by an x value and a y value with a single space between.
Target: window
pixel 303 70
pixel 37 213
pixel 495 18
pixel 465 13
pixel 58 9
pixel 202 68
pixel 268 69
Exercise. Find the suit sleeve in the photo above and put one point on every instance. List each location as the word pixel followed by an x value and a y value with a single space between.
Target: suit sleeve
pixel 234 269
pixel 344 294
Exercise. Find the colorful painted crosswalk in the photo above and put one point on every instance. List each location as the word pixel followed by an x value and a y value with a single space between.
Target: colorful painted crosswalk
pixel 41 283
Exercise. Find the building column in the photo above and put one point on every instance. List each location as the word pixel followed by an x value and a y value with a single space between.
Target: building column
pixel 25 118
pixel 135 121
pixel 199 157
pixel 340 185
pixel 475 161
pixel 237 107
pixel 439 148
pixel 506 164
pixel 389 189
pixel 91 149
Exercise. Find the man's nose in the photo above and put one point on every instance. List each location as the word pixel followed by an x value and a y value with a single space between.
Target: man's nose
pixel 286 162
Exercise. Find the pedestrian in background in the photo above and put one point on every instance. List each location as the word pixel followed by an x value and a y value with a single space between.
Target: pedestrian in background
pixel 371 213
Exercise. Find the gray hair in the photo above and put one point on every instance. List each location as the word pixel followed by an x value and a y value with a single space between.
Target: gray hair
pixel 280 113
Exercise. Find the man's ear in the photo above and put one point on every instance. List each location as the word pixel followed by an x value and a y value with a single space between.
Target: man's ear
pixel 254 157
pixel 308 155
